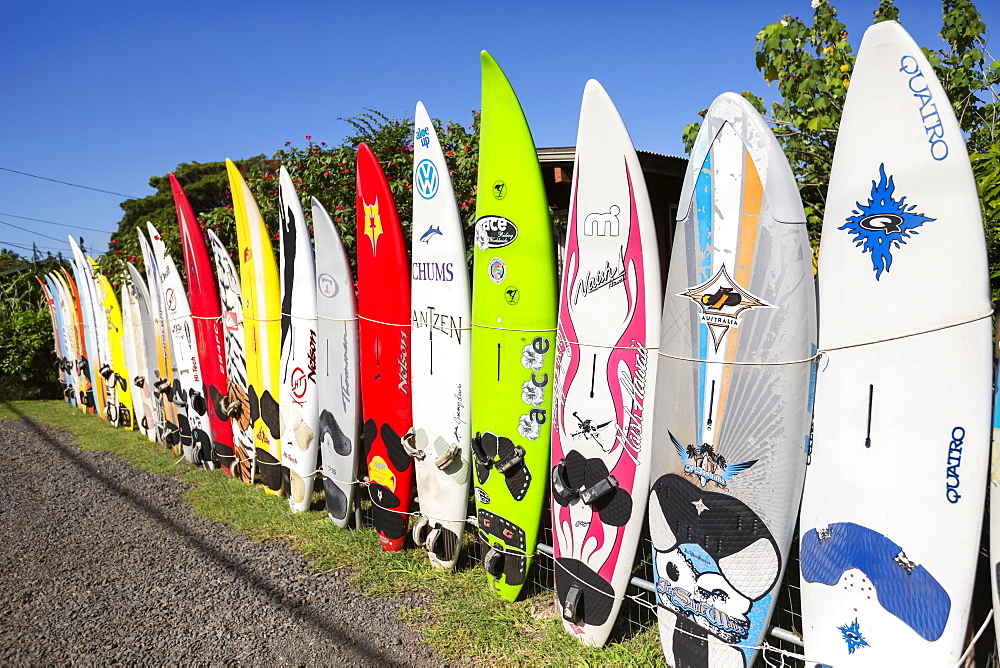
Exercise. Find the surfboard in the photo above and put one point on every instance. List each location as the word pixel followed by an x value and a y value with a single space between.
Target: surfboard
pixel 237 401
pixel 384 341
pixel 48 292
pixel 206 316
pixel 152 348
pixel 115 373
pixel 189 385
pixel 513 337
pixel 85 286
pixel 894 495
pixel 733 392
pixel 173 412
pixel 131 367
pixel 337 368
pixel 85 396
pixel 298 398
pixel 70 352
pixel 994 512
pixel 609 316
pixel 261 294
pixel 136 297
pixel 441 353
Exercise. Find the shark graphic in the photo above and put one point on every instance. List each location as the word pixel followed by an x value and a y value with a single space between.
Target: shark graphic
pixel 429 234
pixel 707 464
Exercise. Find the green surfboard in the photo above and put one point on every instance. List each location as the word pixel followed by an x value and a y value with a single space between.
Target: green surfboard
pixel 513 337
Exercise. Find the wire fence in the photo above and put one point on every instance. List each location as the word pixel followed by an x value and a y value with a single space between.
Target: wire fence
pixel 782 645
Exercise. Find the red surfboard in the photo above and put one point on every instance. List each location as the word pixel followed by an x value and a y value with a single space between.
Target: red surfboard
pixel 384 338
pixel 207 315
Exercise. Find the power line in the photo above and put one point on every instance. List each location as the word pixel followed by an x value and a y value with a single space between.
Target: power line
pixel 25 229
pixel 67 183
pixel 11 243
pixel 50 222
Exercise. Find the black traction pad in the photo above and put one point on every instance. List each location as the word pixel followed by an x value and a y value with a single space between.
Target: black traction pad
pixel 502 529
pixel 124 416
pixel 724 527
pixel 615 507
pixel 328 428
pixel 518 479
pixel 269 413
pixel 690 644
pixel 254 404
pixel 597 595
pixel 185 426
pixel 394 448
pixel 216 397
pixel 390 524
pixel 369 431
pixel 268 469
pixel 203 445
pixel 515 565
pixel 225 454
pixel 336 500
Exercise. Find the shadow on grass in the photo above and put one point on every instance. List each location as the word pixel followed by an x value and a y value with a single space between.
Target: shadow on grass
pixel 348 643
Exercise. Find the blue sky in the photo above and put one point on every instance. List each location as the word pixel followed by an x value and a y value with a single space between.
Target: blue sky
pixel 107 94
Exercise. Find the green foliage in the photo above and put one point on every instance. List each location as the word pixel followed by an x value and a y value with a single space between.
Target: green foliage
pixel 325 172
pixel 207 188
pixel 26 343
pixel 811 65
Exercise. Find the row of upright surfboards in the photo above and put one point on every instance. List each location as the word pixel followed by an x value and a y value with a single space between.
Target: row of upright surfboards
pixel 719 405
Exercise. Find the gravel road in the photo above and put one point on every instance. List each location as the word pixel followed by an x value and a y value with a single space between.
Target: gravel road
pixel 102 564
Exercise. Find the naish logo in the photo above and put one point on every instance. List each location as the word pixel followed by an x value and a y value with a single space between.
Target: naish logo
pixel 373 223
pixel 884 223
pixel 607 277
pixel 708 465
pixel 722 302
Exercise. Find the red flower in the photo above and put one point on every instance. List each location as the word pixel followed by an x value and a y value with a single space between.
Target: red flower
pixel 308 137
pixel 288 143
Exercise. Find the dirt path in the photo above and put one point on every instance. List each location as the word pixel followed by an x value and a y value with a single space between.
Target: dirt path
pixel 100 563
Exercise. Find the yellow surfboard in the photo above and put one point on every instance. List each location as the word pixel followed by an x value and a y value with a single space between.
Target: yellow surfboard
pixel 122 413
pixel 261 295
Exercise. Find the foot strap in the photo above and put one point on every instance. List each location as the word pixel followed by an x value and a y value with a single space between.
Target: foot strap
pixel 571 607
pixel 409 441
pixel 445 460
pixel 565 495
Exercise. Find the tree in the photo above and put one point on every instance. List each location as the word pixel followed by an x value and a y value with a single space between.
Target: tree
pixel 318 170
pixel 27 360
pixel 811 66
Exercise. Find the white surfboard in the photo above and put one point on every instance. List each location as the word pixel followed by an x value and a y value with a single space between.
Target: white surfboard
pixel 337 368
pixel 733 392
pixel 145 345
pixel 132 360
pixel 157 351
pixel 440 356
pixel 299 405
pixel 189 387
pixel 67 333
pixel 894 494
pixel 237 401
pixel 97 351
pixel 602 427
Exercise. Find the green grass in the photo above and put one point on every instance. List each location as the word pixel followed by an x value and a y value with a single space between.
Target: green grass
pixel 460 617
